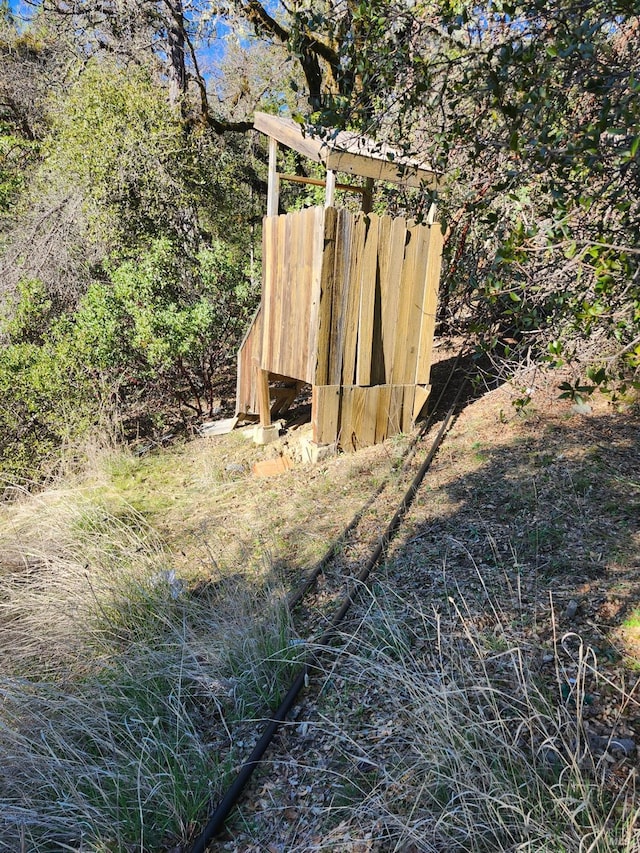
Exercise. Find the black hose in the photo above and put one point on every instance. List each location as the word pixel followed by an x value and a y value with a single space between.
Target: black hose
pixel 217 819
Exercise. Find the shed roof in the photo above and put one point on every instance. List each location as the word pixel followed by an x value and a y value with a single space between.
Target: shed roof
pixel 348 152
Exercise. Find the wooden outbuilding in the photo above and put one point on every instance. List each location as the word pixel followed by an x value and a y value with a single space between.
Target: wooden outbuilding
pixel 348 300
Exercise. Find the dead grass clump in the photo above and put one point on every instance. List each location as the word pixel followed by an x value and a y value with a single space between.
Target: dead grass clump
pixel 468 749
pixel 121 680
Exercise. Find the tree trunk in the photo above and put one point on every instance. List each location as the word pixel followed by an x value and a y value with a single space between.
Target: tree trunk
pixel 176 71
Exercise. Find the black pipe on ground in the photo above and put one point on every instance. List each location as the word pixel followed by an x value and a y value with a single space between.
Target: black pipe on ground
pixel 217 819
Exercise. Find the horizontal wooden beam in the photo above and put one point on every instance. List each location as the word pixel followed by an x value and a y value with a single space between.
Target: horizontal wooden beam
pixel 290 134
pixel 393 171
pixel 345 151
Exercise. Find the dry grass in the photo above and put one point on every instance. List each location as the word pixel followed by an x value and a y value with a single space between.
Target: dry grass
pixel 432 734
pixel 142 631
pixel 120 681
pixel 479 754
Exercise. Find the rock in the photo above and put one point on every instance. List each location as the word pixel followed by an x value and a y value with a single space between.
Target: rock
pixel 612 744
pixel 623 744
pixel 234 468
pixel 571 609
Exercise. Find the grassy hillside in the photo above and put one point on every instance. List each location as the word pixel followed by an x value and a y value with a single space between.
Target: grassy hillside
pixel 484 695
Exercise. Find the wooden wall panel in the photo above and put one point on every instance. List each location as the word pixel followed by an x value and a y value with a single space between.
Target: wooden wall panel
pixel 349 301
pixel 326 298
pixel 321 264
pixel 429 305
pixel 356 417
pixel 369 285
pixel 340 295
pixel 249 355
pixel 293 253
pixel 351 304
pixel 325 413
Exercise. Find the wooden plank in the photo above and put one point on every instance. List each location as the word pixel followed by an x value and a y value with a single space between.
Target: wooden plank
pixel 353 301
pixel 264 402
pixel 367 196
pixel 345 426
pixel 291 294
pixel 330 188
pixel 282 399
pixel 245 387
pixel 404 306
pixel 272 359
pixel 344 230
pixel 300 285
pixel 325 413
pixel 378 364
pixel 382 414
pixel 270 247
pixel 308 323
pixel 365 410
pixel 273 183
pixel 222 427
pixel 293 299
pixel 349 152
pixel 268 270
pixel 326 262
pixel 368 285
pixel 394 423
pixel 429 305
pixel 358 397
pixel 288 133
pixel 272 467
pixel 416 300
pixel 390 278
pixel 380 170
pixel 420 399
pixel 316 249
pixel 408 396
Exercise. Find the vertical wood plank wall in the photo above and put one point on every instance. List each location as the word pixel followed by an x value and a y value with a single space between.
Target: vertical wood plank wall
pixel 348 306
pixel 249 359
pixel 378 302
pixel 292 263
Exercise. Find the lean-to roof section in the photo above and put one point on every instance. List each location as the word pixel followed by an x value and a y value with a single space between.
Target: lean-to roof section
pixel 344 151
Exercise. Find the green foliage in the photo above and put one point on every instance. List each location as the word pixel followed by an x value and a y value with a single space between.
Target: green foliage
pixel 166 323
pixel 152 337
pixel 45 407
pixel 27 316
pixel 127 301
pixel 115 136
pixel 16 155
pixel 531 111
pixel 42 405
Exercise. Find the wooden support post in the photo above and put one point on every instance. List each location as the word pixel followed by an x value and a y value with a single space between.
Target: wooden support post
pixel 264 401
pixel 273 183
pixel 330 188
pixel 367 196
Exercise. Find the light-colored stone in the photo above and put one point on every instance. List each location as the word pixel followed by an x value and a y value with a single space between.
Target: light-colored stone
pixel 571 609
pixel 312 452
pixel 266 434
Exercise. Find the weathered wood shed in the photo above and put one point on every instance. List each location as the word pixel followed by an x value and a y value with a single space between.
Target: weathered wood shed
pixel 348 300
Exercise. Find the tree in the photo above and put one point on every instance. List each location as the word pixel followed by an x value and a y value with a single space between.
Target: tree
pixel 531 110
pixel 125 251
